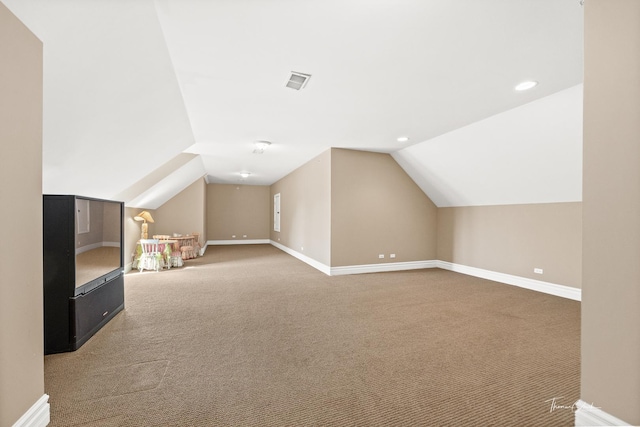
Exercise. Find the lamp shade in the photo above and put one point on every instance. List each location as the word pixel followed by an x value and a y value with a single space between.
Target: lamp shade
pixel 144 216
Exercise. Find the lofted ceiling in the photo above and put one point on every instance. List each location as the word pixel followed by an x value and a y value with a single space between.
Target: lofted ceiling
pixel 132 86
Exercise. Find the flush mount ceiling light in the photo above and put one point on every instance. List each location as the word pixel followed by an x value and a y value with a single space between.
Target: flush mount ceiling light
pixel 245 174
pixel 261 146
pixel 403 139
pixel 298 80
pixel 526 85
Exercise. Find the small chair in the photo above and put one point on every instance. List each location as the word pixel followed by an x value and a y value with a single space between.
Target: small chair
pixel 151 258
pixel 175 259
pixel 197 248
pixel 187 252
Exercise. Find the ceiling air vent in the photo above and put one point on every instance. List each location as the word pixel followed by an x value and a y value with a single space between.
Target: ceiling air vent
pixel 298 80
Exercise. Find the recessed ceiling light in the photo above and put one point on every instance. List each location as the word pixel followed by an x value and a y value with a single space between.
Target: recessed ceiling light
pixel 526 85
pixel 403 139
pixel 261 146
pixel 245 174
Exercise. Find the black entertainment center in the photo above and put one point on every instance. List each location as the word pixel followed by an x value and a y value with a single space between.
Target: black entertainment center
pixel 83 266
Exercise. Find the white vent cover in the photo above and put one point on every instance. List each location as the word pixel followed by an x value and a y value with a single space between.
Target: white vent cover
pixel 298 80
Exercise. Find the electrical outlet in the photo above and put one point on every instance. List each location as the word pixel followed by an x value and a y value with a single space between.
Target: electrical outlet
pixel 537 270
pixel 392 256
pixel 381 256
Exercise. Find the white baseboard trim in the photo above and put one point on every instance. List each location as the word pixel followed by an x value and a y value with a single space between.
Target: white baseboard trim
pixel 312 262
pixel 384 267
pixel 239 242
pixel 522 282
pixel 588 415
pixel 37 416
pixel 355 269
pixel 509 279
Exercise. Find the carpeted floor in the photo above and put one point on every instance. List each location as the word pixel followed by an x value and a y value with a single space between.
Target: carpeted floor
pixel 249 336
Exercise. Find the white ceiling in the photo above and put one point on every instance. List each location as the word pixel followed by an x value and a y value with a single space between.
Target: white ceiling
pixel 134 84
pixel 530 154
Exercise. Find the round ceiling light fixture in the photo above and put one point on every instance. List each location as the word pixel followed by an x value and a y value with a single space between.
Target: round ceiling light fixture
pixel 526 85
pixel 261 146
pixel 245 174
pixel 403 139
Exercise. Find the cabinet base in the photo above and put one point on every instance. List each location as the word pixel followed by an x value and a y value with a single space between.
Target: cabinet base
pixel 91 311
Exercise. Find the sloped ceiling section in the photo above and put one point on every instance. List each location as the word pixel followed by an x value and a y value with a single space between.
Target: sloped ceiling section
pixel 530 154
pixel 172 184
pixel 113 110
pixel 173 166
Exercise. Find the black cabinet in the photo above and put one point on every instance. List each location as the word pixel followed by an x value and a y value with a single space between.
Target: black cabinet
pixel 83 268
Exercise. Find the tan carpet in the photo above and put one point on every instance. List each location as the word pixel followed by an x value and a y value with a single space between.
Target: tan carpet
pixel 249 336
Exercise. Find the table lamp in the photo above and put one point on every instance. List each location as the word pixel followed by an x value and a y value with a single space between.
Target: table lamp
pixel 145 217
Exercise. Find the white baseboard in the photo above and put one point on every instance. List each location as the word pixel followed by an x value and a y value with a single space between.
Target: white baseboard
pixel 37 416
pixel 522 282
pixel 128 267
pixel 509 279
pixel 239 242
pixel 312 262
pixel 588 415
pixel 380 268
pixel 355 269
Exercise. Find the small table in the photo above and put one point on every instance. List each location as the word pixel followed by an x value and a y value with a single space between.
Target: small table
pixel 185 240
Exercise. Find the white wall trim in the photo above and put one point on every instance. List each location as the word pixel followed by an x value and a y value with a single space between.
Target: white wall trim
pixel 509 279
pixel 380 268
pixel 128 267
pixel 312 262
pixel 239 242
pixel 37 416
pixel 589 415
pixel 522 282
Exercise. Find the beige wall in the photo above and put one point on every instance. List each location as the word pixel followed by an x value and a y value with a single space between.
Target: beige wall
pixel 376 208
pixel 238 210
pixel 21 321
pixel 184 213
pixel 611 209
pixel 515 239
pixel 305 224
